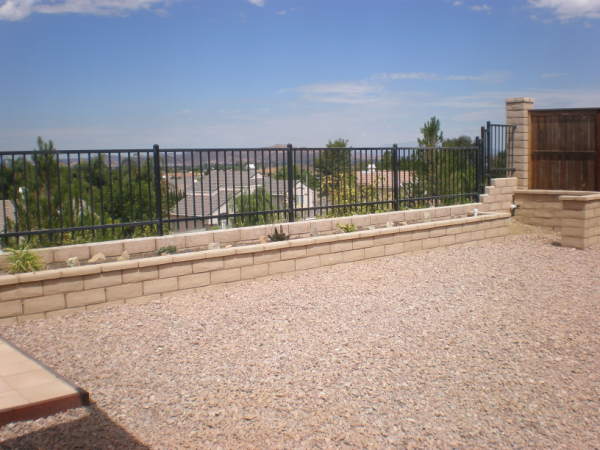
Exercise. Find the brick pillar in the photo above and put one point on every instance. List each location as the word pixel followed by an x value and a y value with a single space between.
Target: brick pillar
pixel 517 113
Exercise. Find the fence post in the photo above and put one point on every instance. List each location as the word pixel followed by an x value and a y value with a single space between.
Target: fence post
pixel 479 163
pixel 157 190
pixel 395 174
pixel 290 183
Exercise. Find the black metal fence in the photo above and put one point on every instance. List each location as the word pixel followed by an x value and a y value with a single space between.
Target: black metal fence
pixel 498 149
pixel 62 197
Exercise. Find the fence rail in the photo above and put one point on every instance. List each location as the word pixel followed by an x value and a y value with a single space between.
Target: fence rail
pixel 61 197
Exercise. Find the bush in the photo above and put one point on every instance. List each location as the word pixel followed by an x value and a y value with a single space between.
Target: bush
pixel 21 260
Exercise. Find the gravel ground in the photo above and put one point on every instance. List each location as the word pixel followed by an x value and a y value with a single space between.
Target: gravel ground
pixel 494 345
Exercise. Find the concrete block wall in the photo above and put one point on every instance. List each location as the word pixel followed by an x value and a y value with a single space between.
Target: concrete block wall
pixel 580 220
pixel 517 113
pixel 62 291
pixel 541 208
pixel 497 198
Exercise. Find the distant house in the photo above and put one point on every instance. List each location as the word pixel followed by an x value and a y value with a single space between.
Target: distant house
pixel 8 212
pixel 208 196
pixel 383 179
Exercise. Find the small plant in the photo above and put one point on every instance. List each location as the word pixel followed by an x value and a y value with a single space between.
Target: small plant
pixel 168 250
pixel 21 260
pixel 347 227
pixel 278 235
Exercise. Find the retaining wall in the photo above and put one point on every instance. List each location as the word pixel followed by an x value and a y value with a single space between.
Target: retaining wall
pixel 498 197
pixel 60 291
pixel 575 214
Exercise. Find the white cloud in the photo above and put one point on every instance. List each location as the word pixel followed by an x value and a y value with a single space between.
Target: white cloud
pixel 570 9
pixel 482 8
pixel 493 77
pixel 457 3
pixel 283 12
pixel 260 3
pixel 19 9
pixel 347 93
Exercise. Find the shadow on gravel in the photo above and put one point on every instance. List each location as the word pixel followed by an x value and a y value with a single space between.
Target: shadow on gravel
pixel 95 431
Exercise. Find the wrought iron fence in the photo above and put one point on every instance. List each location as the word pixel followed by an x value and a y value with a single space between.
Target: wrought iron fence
pixel 498 150
pixel 61 197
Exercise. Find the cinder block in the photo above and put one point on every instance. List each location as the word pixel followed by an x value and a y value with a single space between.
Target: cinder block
pixel 102 280
pixel 194 280
pixel 354 255
pixel 413 246
pixel 431 243
pixel 124 291
pixel 142 274
pixel 447 240
pixel 318 249
pixel 248 234
pixel 208 265
pixel 299 228
pixel 12 308
pixel 255 271
pixel 266 257
pixel 329 259
pixel 575 242
pixel 341 246
pixel 107 248
pixel 227 236
pixel 61 254
pixel 61 285
pixel 444 211
pixel 385 239
pixel 8 321
pixel 437 232
pixel 308 263
pixel 174 270
pixel 282 266
pixel 239 260
pixel 394 249
pixel 140 245
pixel 225 275
pixel 83 298
pixel 28 317
pixel 160 285
pixel 362 243
pixel 43 304
pixel 293 253
pixel 361 221
pixel 478 235
pixel 198 240
pixel 375 252
pixel 463 237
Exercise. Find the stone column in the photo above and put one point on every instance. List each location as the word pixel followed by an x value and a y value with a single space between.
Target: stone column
pixel 517 113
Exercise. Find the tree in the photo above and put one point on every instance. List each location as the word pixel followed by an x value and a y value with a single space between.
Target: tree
pixel 256 202
pixel 432 134
pixel 461 141
pixel 334 161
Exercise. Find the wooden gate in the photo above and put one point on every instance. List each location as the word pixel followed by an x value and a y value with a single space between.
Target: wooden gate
pixel 565 149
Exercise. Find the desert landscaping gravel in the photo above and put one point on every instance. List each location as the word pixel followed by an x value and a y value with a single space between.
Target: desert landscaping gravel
pixel 492 345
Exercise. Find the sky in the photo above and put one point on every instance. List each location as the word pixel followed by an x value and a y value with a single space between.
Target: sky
pixel 97 74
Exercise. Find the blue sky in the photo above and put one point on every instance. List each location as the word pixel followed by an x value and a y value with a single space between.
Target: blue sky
pixel 218 73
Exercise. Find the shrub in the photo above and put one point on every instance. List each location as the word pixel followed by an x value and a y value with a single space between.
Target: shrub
pixel 168 250
pixel 278 235
pixel 21 260
pixel 347 228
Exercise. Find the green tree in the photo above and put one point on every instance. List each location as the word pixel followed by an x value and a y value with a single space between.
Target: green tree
pixel 432 134
pixel 336 160
pixel 461 141
pixel 253 202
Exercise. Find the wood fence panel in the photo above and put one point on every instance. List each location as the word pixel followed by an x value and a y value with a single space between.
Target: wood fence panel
pixel 565 149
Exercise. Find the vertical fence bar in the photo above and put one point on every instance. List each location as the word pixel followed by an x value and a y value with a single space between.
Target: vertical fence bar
pixel 157 190
pixel 290 182
pixel 395 174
